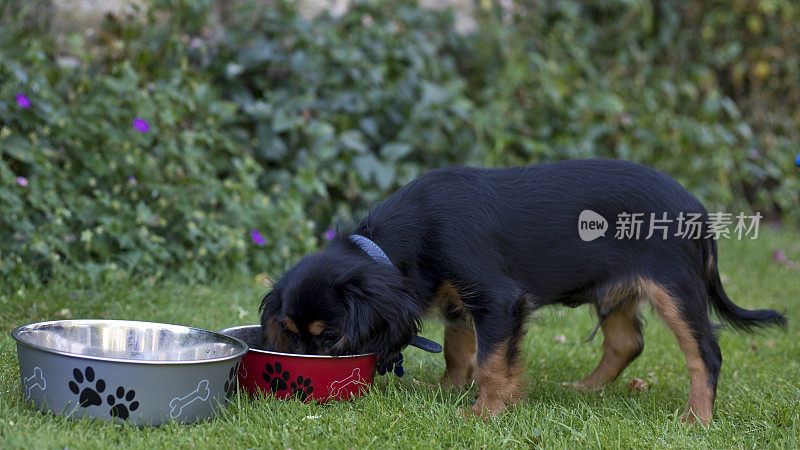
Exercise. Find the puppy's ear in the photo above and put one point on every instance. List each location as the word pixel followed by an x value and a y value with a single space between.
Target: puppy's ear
pixel 382 314
pixel 274 336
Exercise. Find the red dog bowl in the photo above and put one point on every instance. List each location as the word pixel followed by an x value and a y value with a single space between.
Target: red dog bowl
pixel 308 377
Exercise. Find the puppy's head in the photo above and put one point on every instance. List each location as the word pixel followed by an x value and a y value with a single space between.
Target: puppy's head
pixel 340 302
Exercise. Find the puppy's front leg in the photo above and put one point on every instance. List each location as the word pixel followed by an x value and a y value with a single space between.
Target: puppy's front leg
pixel 499 373
pixel 460 344
pixel 459 352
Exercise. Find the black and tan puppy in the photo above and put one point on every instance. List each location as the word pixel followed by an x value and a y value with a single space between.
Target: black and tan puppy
pixel 485 247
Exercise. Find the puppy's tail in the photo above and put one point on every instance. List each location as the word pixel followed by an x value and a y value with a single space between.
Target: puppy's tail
pixel 743 319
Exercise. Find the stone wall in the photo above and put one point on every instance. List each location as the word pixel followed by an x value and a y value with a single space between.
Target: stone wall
pixel 70 15
pixel 73 15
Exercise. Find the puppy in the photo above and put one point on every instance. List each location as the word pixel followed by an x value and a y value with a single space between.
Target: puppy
pixel 485 247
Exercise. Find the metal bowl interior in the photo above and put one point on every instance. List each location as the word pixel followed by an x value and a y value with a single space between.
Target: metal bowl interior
pixel 129 341
pixel 251 335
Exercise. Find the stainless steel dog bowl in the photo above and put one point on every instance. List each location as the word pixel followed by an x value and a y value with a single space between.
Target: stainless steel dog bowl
pixel 142 372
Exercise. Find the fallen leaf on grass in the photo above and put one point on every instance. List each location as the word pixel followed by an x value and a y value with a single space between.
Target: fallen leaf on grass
pixel 422 383
pixel 637 384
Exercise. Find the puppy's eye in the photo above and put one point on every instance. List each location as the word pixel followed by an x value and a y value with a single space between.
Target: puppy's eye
pixel 328 339
pixel 329 336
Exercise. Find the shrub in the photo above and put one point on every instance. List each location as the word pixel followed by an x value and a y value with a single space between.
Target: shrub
pixel 649 82
pixel 102 197
pixel 347 109
pixel 287 126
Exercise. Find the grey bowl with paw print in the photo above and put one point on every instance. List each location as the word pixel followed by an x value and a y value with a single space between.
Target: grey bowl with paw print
pixel 140 372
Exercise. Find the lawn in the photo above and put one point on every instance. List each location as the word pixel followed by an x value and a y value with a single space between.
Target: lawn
pixel 757 401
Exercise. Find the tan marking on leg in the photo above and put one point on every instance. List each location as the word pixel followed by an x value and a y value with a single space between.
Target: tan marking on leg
pixel 460 342
pixel 701 395
pixel 445 295
pixel 291 325
pixel 500 383
pixel 622 342
pixel 460 348
pixel 316 327
pixel 621 294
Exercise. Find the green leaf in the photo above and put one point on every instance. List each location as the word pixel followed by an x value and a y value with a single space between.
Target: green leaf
pixel 384 175
pixel 393 151
pixel 19 148
pixel 354 140
pixel 369 126
pixel 366 166
pixel 259 52
pixel 271 147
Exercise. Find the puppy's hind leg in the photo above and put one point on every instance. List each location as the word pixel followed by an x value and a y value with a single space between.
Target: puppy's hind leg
pixel 685 313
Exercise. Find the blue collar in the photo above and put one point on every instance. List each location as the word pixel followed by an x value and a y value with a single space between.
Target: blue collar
pixel 370 248
pixel 375 252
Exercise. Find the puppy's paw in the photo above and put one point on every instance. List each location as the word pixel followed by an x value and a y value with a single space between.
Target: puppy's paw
pixel 583 385
pixel 391 364
pixel 487 410
pixel 691 417
pixel 467 414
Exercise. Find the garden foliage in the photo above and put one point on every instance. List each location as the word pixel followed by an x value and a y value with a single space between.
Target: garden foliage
pixel 287 126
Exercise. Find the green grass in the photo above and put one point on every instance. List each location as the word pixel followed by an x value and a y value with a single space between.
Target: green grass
pixel 757 401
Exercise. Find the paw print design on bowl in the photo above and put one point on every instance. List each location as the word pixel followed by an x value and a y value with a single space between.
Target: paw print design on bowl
pixel 276 377
pixel 123 404
pixel 82 386
pixel 230 383
pixel 302 388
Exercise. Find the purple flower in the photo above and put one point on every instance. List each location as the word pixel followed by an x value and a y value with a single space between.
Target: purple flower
pixel 330 234
pixel 132 180
pixel 22 181
pixel 141 125
pixel 23 101
pixel 256 236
